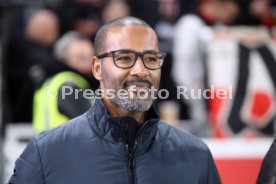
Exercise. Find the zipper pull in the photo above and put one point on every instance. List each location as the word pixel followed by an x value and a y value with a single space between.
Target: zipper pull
pixel 127 148
pixel 130 157
pixel 134 147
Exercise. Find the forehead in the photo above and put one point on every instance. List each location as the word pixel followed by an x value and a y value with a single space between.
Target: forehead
pixel 134 37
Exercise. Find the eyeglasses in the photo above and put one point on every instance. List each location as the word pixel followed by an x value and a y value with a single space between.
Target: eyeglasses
pixel 152 60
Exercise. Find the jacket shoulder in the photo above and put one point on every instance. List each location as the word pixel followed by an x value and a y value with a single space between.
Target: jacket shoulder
pixel 75 128
pixel 47 147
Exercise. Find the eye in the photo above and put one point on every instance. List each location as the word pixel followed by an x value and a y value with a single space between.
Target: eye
pixel 151 59
pixel 123 59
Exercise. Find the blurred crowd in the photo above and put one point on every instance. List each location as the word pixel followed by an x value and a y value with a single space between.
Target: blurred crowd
pixel 39 46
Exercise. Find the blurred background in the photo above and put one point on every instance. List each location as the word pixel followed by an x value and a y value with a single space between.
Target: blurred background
pixel 223 52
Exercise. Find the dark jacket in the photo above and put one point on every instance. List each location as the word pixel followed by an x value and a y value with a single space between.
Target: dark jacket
pixel 97 149
pixel 267 174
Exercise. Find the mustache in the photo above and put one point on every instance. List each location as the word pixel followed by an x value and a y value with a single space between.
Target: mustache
pixel 129 82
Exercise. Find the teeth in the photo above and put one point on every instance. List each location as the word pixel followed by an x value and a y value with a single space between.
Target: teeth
pixel 132 87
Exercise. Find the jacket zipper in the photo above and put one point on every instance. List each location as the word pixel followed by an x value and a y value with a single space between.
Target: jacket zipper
pixel 130 157
pixel 131 163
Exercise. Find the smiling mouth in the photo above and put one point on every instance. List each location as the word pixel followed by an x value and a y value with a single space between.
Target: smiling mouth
pixel 141 86
pixel 137 85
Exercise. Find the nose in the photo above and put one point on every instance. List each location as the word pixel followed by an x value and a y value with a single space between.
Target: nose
pixel 139 69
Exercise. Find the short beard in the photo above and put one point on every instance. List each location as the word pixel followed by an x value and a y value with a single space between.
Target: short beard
pixel 134 104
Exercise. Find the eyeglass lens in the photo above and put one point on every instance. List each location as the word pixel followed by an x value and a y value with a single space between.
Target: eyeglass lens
pixel 126 59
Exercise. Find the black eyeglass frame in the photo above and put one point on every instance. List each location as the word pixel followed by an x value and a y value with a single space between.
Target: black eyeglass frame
pixel 141 54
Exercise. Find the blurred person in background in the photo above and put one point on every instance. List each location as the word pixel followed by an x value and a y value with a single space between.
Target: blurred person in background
pixel 30 61
pixel 149 10
pixel 86 20
pixel 51 109
pixel 146 10
pixel 169 12
pixel 254 13
pixel 192 32
pixel 114 9
pixel 45 35
pixel 81 16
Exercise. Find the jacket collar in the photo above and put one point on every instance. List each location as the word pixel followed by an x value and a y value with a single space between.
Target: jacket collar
pixel 121 129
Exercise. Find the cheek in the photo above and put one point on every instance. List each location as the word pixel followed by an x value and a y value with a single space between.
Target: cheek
pixel 155 76
pixel 113 75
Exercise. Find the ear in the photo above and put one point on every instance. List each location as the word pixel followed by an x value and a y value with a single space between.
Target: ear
pixel 96 68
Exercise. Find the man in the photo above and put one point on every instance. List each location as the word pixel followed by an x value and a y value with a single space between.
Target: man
pixel 75 51
pixel 120 139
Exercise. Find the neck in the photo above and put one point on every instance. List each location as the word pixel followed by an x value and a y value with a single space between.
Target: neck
pixel 116 111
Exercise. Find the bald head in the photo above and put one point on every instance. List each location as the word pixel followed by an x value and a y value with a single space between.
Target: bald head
pixel 43 27
pixel 101 35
